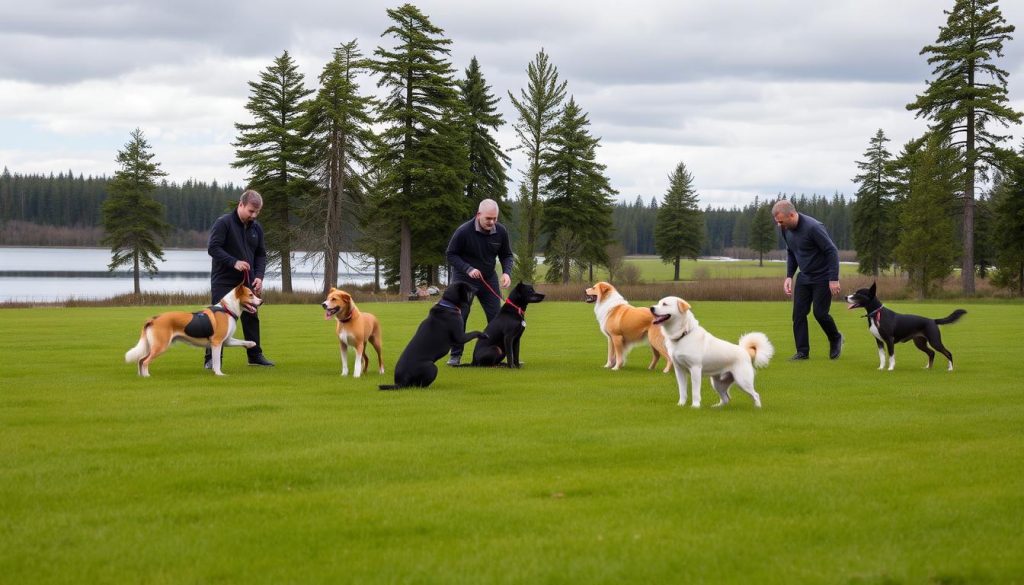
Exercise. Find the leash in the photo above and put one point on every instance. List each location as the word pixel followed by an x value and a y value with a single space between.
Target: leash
pixel 506 301
pixel 877 314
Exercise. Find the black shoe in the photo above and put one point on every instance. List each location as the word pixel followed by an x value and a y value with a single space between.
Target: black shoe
pixel 799 356
pixel 208 365
pixel 836 348
pixel 260 360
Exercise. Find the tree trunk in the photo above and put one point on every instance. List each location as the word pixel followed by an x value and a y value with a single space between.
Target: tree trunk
pixel 405 285
pixel 135 272
pixel 675 266
pixel 967 268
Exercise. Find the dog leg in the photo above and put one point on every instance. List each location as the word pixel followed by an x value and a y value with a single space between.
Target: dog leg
pixel 923 346
pixel 937 344
pixel 611 353
pixel 890 346
pixel 681 381
pixel 620 352
pixel 696 377
pixel 721 384
pixel 215 353
pixel 745 380
pixel 375 341
pixel 359 363
pixel 881 355
pixel 343 352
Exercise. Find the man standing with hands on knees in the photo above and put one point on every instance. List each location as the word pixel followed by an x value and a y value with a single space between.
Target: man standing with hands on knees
pixel 238 251
pixel 472 252
pixel 810 249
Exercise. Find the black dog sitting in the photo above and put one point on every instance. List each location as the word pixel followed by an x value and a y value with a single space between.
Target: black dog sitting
pixel 433 339
pixel 506 329
pixel 890 328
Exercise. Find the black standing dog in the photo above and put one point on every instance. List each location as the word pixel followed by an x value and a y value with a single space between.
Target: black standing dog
pixel 434 338
pixel 890 328
pixel 506 329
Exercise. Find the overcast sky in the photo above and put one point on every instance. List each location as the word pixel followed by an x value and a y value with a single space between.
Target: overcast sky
pixel 756 97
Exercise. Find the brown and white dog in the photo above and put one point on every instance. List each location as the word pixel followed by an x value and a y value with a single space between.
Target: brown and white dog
pixel 212 327
pixel 625 326
pixel 354 328
pixel 696 353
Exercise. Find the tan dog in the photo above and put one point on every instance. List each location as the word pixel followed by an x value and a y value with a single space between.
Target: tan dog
pixel 212 327
pixel 354 328
pixel 696 353
pixel 625 326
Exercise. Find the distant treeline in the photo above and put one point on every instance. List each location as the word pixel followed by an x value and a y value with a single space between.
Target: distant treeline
pixel 64 210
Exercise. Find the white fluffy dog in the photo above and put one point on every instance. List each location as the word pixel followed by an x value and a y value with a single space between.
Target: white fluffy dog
pixel 694 351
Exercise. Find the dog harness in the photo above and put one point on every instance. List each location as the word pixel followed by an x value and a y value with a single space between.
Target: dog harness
pixel 201 325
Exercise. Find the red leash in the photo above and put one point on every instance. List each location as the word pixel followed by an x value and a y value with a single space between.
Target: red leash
pixel 506 301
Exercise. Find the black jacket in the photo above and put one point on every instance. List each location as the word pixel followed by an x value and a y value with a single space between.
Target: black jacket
pixel 231 241
pixel 470 249
pixel 810 249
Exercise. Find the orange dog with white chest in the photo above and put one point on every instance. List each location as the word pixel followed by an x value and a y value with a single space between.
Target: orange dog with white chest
pixel 212 327
pixel 625 326
pixel 354 328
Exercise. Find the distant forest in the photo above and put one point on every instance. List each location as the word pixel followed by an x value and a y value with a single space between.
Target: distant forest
pixel 64 210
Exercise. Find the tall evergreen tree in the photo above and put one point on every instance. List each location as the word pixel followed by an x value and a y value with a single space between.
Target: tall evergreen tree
pixel 271 148
pixel 487 163
pixel 873 220
pixel 762 230
pixel 424 152
pixel 538 106
pixel 927 230
pixel 679 231
pixel 966 97
pixel 339 140
pixel 579 194
pixel 133 221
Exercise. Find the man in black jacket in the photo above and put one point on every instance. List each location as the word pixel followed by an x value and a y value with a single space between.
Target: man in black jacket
pixel 810 249
pixel 237 250
pixel 472 252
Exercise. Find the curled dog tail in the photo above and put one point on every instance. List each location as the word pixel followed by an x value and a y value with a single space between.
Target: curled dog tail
pixel 141 348
pixel 952 318
pixel 757 345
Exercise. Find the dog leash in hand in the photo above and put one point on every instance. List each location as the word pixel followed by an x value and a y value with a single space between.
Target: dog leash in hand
pixel 506 301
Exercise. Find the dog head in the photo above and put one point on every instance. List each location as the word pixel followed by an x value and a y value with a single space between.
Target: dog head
pixel 674 315
pixel 864 297
pixel 524 294
pixel 599 292
pixel 247 299
pixel 459 294
pixel 338 303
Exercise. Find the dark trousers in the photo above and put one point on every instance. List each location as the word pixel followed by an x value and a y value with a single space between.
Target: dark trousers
pixel 250 323
pixel 806 295
pixel 488 300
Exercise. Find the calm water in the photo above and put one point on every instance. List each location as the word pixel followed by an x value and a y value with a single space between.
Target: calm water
pixel 58 274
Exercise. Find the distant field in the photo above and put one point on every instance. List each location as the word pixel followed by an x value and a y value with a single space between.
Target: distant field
pixel 654 270
pixel 561 472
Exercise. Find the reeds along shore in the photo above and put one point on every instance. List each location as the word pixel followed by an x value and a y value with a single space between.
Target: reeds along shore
pixel 711 289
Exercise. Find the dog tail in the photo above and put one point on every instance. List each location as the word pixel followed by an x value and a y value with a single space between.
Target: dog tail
pixel 757 345
pixel 141 348
pixel 952 318
pixel 389 387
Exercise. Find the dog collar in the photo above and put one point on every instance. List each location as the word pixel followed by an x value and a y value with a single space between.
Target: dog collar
pixel 516 307
pixel 346 319
pixel 448 305
pixel 877 314
pixel 227 310
pixel 681 335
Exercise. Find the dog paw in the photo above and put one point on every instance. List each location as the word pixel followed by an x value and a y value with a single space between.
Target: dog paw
pixel 695 405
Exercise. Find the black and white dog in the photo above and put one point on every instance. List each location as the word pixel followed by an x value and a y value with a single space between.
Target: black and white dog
pixel 890 328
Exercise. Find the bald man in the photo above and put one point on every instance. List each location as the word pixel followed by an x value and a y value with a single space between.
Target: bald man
pixel 472 252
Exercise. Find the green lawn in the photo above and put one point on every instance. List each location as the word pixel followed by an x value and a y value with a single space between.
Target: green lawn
pixel 561 472
pixel 654 270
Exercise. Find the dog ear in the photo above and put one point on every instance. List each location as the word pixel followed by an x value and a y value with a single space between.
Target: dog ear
pixel 683 306
pixel 873 289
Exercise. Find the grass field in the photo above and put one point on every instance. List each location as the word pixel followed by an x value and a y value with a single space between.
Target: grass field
pixel 654 270
pixel 561 472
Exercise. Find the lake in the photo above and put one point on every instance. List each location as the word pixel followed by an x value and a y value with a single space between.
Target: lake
pixel 59 274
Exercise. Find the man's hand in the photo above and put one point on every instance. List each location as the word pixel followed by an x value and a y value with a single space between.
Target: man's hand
pixel 787 287
pixel 833 285
pixel 242 266
pixel 257 286
pixel 474 273
pixel 506 280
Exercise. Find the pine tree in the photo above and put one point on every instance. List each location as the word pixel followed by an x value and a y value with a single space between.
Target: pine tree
pixel 873 220
pixel 133 222
pixel 1008 207
pixel 927 230
pixel 762 230
pixel 423 152
pixel 339 139
pixel 679 231
pixel 579 194
pixel 538 106
pixel 966 97
pixel 271 149
pixel 487 163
